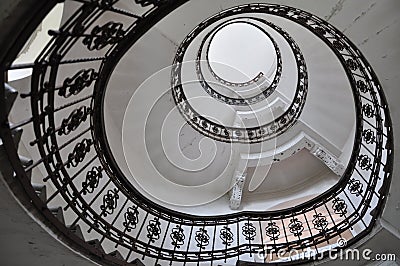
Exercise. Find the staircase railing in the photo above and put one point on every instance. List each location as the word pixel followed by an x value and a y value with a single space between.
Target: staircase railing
pixel 105 216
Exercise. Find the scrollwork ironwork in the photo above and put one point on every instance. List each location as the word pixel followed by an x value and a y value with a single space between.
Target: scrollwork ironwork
pixel 81 80
pixel 79 153
pixel 237 134
pixel 364 162
pixel 153 230
pixel 339 206
pixel 296 227
pixel 101 36
pixel 368 110
pixel 177 236
pixel 110 201
pixel 202 238
pixel 249 231
pixel 338 45
pixel 352 64
pixel 272 231
pixel 355 187
pixel 320 222
pixel 362 86
pixel 73 121
pixel 131 218
pixel 379 139
pixel 369 136
pixel 92 179
pixel 226 235
pixel 265 90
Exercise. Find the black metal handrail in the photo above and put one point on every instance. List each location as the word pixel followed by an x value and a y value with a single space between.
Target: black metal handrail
pixel 75 154
pixel 265 90
pixel 239 134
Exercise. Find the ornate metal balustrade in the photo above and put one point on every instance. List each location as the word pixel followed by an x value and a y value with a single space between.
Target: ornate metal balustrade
pixel 264 89
pixel 66 102
pixel 239 134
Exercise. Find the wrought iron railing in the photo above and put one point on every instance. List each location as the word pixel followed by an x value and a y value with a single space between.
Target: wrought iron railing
pixel 66 103
pixel 264 90
pixel 239 134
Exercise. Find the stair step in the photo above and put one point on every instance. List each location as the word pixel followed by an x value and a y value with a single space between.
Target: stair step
pixel 76 230
pixel 10 96
pixel 136 262
pixel 25 161
pixel 5 165
pixel 96 244
pixel 29 175
pixel 116 254
pixel 40 191
pixel 58 213
pixel 16 135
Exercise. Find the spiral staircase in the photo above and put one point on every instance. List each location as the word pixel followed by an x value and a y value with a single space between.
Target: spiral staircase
pixel 131 136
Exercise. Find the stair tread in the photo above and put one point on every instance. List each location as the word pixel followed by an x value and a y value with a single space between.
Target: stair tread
pixel 10 96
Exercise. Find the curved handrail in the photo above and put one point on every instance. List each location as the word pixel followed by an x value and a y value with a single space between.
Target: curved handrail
pixel 265 90
pixel 239 134
pixel 358 197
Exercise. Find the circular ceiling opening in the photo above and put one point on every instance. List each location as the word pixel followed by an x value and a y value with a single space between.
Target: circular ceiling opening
pixel 239 51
